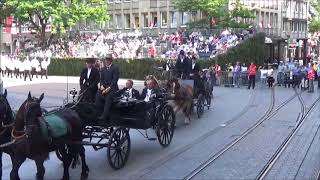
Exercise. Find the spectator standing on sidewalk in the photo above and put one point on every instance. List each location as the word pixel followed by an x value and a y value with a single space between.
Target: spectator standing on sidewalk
pixel 252 76
pixel 27 68
pixel 280 73
pixel 218 72
pixel 318 73
pixel 311 75
pixel 237 74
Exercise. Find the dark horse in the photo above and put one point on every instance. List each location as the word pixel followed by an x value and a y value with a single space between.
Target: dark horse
pixel 32 143
pixel 6 123
pixel 182 98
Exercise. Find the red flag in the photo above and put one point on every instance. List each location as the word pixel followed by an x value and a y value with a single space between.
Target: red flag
pixel 9 21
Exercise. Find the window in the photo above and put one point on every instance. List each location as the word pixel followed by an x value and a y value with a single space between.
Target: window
pixel 127 21
pixel 118 21
pixel 174 19
pixel 154 18
pixel 136 23
pixel 110 22
pixel 164 19
pixel 185 18
pixel 110 1
pixel 145 20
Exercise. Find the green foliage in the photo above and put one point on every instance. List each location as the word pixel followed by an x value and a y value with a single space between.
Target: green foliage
pixel 252 50
pixel 5 10
pixel 217 10
pixel 314 25
pixel 60 14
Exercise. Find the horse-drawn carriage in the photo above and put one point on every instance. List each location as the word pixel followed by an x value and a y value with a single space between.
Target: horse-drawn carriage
pixel 125 114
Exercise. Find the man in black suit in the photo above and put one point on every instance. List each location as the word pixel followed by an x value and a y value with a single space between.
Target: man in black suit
pixel 109 77
pixel 195 75
pixel 89 80
pixel 129 91
pixel 150 89
pixel 182 66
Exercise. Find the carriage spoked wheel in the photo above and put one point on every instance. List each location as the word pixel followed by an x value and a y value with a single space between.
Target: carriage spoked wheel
pixel 119 148
pixel 165 126
pixel 200 106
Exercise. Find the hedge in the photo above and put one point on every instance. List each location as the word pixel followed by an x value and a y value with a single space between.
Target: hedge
pixel 252 50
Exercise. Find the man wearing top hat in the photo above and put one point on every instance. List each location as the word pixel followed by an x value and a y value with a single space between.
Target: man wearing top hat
pixel 89 79
pixel 182 65
pixel 109 76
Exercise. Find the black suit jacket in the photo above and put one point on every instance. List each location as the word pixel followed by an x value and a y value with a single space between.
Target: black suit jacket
pixel 109 77
pixel 196 69
pixel 182 67
pixel 135 93
pixel 92 81
pixel 144 93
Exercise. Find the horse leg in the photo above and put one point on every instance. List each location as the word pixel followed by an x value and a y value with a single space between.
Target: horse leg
pixel 67 160
pixel 85 168
pixel 40 168
pixel 16 164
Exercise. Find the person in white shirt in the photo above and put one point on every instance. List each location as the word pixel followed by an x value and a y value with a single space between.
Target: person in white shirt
pixel 35 67
pixel 9 66
pixel 27 68
pixel 129 91
pixel 3 64
pixel 44 67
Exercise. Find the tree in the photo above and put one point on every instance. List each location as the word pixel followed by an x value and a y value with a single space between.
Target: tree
pixel 60 14
pixel 314 25
pixel 217 11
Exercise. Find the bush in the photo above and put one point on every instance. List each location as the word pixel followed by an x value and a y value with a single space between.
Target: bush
pixel 252 50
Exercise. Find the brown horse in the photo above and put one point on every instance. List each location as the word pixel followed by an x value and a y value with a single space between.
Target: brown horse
pixel 31 141
pixel 182 98
pixel 6 123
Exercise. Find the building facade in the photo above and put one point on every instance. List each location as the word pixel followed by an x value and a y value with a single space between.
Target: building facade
pixel 285 22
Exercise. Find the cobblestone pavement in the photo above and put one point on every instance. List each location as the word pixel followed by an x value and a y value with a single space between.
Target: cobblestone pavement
pixel 234 111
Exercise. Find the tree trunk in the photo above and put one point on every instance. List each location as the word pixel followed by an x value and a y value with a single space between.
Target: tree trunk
pixel 43 39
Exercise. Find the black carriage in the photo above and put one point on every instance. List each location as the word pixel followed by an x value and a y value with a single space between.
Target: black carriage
pixel 125 114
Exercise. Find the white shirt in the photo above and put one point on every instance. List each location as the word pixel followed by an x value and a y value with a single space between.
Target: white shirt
pixel 88 73
pixel 27 65
pixel 193 65
pixel 147 98
pixel 129 91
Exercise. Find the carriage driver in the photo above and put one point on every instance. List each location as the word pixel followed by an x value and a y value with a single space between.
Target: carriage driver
pixel 89 79
pixel 109 76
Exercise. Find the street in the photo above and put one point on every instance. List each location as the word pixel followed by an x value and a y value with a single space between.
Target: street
pixel 237 138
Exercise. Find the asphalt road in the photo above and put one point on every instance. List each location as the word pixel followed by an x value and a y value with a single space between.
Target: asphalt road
pixel 234 111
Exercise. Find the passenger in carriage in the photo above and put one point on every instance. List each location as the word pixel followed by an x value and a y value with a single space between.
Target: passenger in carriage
pixel 109 77
pixel 89 79
pixel 151 88
pixel 129 91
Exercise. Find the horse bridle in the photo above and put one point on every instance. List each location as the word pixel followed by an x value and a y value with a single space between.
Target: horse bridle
pixel 5 114
pixel 27 107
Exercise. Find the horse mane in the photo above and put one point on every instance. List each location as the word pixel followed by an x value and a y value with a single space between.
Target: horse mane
pixel 19 123
pixel 9 113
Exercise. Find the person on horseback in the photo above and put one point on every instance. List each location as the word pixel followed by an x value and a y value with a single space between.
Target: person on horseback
pixel 89 80
pixel 109 76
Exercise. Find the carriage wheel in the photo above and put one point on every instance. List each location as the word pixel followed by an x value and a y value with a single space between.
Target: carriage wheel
pixel 165 126
pixel 200 105
pixel 119 148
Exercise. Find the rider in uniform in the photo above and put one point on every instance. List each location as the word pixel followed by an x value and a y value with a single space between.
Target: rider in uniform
pixel 109 76
pixel 182 65
pixel 89 79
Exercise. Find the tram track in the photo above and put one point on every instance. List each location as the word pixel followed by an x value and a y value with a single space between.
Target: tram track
pixel 269 114
pixel 305 113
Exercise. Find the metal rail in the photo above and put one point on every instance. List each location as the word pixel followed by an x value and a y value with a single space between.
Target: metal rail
pixel 287 141
pixel 269 114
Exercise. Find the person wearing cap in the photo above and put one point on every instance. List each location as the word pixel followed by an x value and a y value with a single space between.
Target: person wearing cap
pixel 109 77
pixel 182 66
pixel 89 79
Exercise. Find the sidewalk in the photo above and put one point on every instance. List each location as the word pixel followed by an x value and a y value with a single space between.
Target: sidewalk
pixel 13 82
